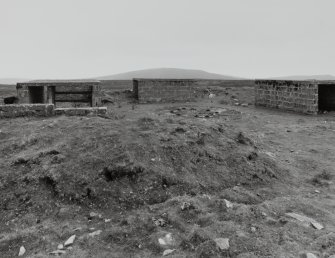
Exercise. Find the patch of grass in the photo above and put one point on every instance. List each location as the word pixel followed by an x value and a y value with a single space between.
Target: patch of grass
pixel 322 178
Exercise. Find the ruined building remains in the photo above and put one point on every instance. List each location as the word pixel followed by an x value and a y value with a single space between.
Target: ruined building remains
pixel 309 97
pixel 163 90
pixel 48 98
pixel 57 92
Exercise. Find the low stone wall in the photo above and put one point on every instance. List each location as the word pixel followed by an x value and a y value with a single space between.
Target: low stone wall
pixel 45 110
pixel 225 83
pixel 163 90
pixel 116 85
pixel 298 96
pixel 10 111
pixel 121 85
pixel 81 111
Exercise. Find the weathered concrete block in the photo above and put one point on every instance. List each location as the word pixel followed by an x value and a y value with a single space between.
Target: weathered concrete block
pixel 58 91
pixel 11 111
pixel 299 96
pixel 163 90
pixel 81 111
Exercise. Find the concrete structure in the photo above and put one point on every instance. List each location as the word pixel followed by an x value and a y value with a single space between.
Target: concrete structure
pixel 163 90
pixel 93 111
pixel 307 97
pixel 11 111
pixel 45 110
pixel 57 92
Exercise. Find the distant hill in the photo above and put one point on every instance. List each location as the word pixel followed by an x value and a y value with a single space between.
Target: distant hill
pixel 168 73
pixel 8 81
pixel 321 77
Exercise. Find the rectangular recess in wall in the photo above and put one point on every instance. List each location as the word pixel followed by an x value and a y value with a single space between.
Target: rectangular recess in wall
pixel 326 99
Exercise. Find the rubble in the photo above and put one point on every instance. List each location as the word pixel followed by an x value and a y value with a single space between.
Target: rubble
pixel 223 243
pixel 167 240
pixel 70 241
pixel 95 233
pixel 22 251
pixel 228 204
pixel 168 251
pixel 305 219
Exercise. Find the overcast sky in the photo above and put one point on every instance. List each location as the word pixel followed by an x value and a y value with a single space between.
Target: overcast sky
pixel 87 38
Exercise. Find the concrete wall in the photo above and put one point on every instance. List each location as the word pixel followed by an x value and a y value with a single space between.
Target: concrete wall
pixel 95 111
pixel 44 110
pixel 119 85
pixel 298 96
pixel 11 111
pixel 225 83
pixel 163 90
pixel 61 91
pixel 116 85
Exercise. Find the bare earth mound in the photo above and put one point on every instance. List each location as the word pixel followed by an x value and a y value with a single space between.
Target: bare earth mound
pixel 146 179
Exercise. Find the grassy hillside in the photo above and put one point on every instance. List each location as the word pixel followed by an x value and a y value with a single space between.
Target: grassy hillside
pixel 168 73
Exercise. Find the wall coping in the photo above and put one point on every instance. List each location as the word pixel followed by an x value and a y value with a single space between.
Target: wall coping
pixel 293 82
pixel 68 83
pixel 27 105
pixel 165 80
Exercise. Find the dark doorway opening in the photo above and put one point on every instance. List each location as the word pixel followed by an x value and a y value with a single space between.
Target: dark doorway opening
pixel 135 89
pixel 36 94
pixel 327 97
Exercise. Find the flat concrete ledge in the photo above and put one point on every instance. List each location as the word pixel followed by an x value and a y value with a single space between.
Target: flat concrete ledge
pixel 45 110
pixel 81 111
pixel 21 110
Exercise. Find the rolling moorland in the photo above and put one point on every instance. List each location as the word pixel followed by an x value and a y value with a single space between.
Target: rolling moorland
pixel 211 178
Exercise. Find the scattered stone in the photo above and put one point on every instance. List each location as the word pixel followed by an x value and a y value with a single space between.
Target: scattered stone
pixel 69 248
pixel 308 255
pixel 228 204
pixel 271 221
pixel 107 220
pixel 317 191
pixel 95 233
pixel 317 225
pixel 58 252
pixel 22 251
pixel 306 219
pixel 186 206
pixel 211 95
pixel 253 229
pixel 70 240
pixel 160 222
pixel 222 243
pixel 166 240
pixel 168 251
pixel 60 246
pixel 94 215
pixel 244 104
pixel 241 138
